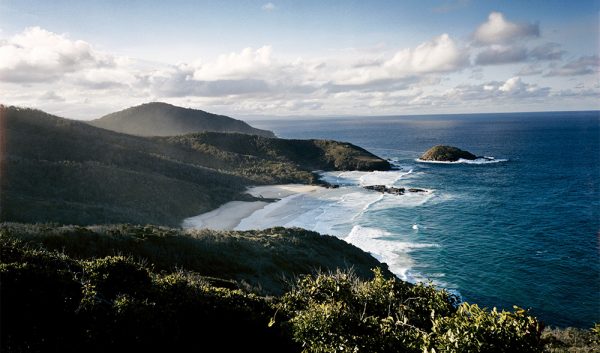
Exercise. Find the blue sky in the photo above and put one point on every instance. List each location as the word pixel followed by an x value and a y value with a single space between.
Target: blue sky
pixel 82 59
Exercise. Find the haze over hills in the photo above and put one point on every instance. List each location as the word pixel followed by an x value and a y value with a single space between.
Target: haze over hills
pixel 66 171
pixel 162 119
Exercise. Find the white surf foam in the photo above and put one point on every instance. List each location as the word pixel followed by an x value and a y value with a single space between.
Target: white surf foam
pixel 485 160
pixel 342 212
pixel 383 247
pixel 354 178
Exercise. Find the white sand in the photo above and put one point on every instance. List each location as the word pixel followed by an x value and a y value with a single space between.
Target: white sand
pixel 280 191
pixel 231 214
pixel 226 217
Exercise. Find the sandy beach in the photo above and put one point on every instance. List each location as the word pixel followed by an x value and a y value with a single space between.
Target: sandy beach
pixel 229 215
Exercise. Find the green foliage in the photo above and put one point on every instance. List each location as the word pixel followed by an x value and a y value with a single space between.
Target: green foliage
pixel 331 313
pixel 56 303
pixel 89 299
pixel 473 329
pixel 571 340
pixel 262 259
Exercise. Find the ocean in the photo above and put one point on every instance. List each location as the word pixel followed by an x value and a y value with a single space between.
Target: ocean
pixel 520 230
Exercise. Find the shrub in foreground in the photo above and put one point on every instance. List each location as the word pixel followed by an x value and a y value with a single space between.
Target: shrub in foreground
pixel 338 313
pixel 51 302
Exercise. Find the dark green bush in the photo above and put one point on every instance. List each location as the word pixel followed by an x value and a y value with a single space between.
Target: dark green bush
pixel 53 303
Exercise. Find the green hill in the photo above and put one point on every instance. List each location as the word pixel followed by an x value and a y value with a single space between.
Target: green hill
pixel 266 260
pixel 162 119
pixel 66 171
pixel 311 154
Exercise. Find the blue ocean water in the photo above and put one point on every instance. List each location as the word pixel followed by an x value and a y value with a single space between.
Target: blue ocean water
pixel 521 232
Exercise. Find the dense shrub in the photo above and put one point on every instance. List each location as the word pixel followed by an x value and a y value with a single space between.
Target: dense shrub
pixel 53 302
pixel 331 313
pixel 334 313
pixel 473 329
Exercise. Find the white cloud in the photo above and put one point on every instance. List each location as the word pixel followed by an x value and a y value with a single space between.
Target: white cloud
pixel 47 70
pixel 247 63
pixel 268 7
pixel 37 55
pixel 440 55
pixel 497 30
pixel 584 65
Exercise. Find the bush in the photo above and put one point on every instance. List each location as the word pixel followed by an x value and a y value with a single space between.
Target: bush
pixel 331 313
pixel 472 329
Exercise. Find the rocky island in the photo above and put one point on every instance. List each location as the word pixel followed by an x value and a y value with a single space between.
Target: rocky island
pixel 442 153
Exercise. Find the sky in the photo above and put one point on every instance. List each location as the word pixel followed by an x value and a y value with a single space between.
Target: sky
pixel 84 59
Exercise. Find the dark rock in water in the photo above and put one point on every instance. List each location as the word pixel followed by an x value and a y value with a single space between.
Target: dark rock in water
pixel 416 190
pixel 446 154
pixel 385 189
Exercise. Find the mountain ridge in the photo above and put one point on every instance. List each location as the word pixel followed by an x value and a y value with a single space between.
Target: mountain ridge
pixel 163 119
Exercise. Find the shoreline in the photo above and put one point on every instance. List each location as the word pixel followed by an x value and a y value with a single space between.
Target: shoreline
pixel 229 215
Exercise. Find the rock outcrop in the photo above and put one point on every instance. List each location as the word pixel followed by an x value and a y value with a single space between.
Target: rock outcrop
pixel 391 190
pixel 443 153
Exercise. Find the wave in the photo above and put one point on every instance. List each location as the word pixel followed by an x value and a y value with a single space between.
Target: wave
pixel 382 245
pixel 484 160
pixel 356 178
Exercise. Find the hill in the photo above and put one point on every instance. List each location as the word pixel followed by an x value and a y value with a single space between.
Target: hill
pixel 155 296
pixel 66 171
pixel 265 260
pixel 310 154
pixel 162 119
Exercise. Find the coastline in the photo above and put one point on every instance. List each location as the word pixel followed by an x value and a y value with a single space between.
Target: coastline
pixel 229 215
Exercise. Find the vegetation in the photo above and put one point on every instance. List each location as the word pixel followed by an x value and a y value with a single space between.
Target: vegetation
pixel 144 296
pixel 65 171
pixel 53 303
pixel 312 154
pixel 572 340
pixel 162 119
pixel 263 260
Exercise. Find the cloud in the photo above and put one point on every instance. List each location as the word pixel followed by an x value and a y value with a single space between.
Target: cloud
pixel 37 55
pixel 52 96
pixel 584 65
pixel 548 51
pixel 497 30
pixel 530 70
pixel 440 55
pixel 496 55
pixel 268 7
pixel 44 69
pixel 248 62
pixel 512 88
